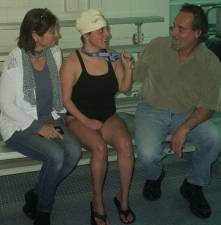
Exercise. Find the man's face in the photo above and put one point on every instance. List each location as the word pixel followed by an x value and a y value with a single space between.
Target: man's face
pixel 184 38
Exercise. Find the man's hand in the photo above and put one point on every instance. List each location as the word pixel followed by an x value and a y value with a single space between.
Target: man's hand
pixel 178 139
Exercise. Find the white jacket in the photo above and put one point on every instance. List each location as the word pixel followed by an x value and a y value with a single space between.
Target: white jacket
pixel 16 113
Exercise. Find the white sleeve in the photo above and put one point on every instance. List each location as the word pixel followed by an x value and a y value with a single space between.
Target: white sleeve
pixel 8 91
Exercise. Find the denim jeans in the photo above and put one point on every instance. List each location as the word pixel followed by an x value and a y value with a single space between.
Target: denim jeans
pixel 58 156
pixel 154 125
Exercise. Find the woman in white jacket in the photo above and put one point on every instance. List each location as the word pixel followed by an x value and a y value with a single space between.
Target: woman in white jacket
pixel 31 120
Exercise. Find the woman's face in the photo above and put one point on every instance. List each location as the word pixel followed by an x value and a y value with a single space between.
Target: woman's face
pixel 99 39
pixel 48 39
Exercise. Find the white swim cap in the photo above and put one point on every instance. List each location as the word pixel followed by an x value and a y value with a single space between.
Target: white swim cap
pixel 90 20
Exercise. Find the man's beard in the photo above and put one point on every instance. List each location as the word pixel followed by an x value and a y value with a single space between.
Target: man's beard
pixel 175 44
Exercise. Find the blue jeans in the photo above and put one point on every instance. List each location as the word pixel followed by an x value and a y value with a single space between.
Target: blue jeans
pixel 154 125
pixel 58 156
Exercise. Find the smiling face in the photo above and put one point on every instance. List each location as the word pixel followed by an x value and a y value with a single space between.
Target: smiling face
pixel 98 39
pixel 47 40
pixel 184 38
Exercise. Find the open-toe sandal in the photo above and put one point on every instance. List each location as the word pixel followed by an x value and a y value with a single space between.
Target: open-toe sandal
pixel 124 213
pixel 95 215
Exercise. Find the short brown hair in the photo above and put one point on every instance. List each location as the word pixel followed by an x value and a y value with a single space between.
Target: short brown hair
pixel 36 20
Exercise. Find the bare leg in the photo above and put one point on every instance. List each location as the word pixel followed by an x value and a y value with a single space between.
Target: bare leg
pixel 116 134
pixel 98 165
pixel 93 141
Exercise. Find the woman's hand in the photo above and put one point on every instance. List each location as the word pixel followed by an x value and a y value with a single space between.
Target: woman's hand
pixel 50 132
pixel 123 71
pixel 93 124
pixel 127 61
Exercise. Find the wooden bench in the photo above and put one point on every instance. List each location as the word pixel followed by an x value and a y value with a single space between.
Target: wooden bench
pixel 8 155
pixel 12 162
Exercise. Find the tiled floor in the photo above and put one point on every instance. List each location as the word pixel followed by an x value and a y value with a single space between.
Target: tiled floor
pixel 73 197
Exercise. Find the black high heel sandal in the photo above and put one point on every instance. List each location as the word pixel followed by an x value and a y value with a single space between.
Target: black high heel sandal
pixel 124 213
pixel 96 215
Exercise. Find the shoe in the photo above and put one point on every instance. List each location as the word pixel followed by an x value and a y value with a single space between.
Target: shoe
pixel 198 204
pixel 42 218
pixel 152 188
pixel 96 215
pixel 124 213
pixel 31 201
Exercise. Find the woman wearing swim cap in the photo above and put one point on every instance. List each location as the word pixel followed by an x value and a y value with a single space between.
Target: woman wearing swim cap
pixel 91 76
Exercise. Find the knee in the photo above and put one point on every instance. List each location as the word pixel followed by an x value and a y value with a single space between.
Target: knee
pixel 99 152
pixel 215 143
pixel 77 154
pixel 56 161
pixel 148 150
pixel 148 156
pixel 74 155
pixel 72 149
pixel 217 138
pixel 125 148
pixel 214 138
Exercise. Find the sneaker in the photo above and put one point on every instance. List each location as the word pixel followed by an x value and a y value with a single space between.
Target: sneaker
pixel 31 201
pixel 152 188
pixel 42 218
pixel 197 202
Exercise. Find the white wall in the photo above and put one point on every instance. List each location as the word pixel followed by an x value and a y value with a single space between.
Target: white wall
pixel 14 10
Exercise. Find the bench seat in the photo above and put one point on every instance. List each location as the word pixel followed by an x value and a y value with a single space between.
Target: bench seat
pixel 7 154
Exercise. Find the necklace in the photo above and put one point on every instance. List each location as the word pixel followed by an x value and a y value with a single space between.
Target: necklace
pixel 38 54
pixel 112 56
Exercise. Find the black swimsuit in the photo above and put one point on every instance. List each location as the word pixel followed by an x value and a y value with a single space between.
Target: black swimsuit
pixel 94 96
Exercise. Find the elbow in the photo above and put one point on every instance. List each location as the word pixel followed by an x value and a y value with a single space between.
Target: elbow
pixel 125 90
pixel 67 102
